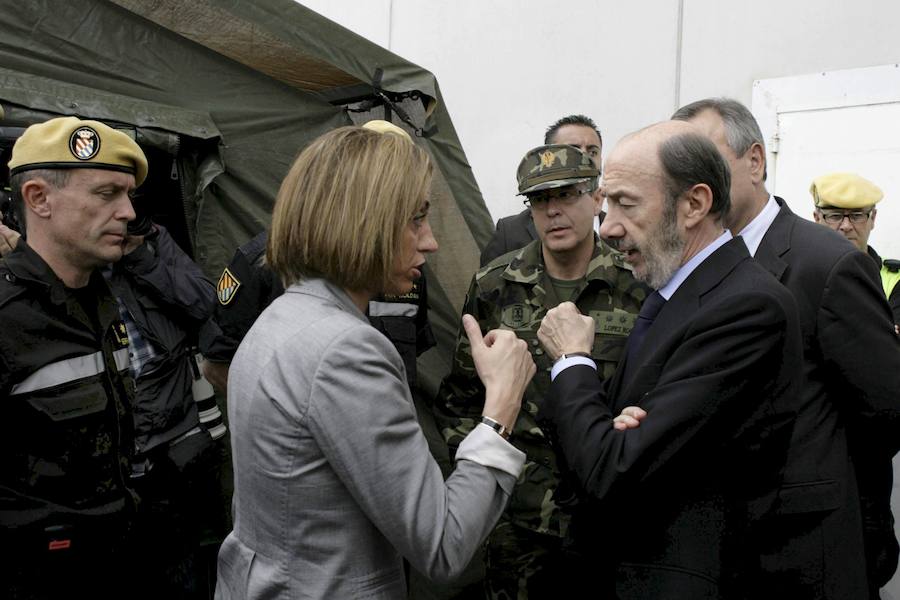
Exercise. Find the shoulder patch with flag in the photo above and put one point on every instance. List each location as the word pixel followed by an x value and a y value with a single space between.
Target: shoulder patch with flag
pixel 227 287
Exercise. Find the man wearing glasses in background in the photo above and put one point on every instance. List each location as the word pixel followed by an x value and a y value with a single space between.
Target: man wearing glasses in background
pixel 567 263
pixel 518 230
pixel 846 203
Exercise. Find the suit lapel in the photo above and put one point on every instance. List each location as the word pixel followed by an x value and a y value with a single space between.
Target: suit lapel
pixel 776 242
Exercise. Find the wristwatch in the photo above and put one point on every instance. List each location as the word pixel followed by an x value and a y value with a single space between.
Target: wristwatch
pixel 497 426
pixel 571 354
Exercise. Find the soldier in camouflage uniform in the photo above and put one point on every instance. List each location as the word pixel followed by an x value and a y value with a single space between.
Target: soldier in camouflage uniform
pixel 515 291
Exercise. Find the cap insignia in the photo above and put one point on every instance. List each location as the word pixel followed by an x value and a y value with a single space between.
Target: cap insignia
pixel 547 159
pixel 84 143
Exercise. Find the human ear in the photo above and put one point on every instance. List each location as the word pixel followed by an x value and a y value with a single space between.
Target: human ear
pixel 35 198
pixel 696 203
pixel 756 157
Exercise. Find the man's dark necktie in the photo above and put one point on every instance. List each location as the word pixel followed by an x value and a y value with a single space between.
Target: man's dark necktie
pixel 652 305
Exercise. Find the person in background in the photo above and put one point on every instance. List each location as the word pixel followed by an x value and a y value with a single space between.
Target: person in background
pixel 164 299
pixel 325 441
pixel 67 435
pixel 850 375
pixel 846 203
pixel 518 230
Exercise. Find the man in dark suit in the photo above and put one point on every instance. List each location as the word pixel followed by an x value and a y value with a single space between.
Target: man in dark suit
pixel 518 230
pixel 677 499
pixel 850 393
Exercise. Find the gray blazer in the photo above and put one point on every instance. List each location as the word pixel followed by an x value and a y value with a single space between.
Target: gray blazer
pixel 333 478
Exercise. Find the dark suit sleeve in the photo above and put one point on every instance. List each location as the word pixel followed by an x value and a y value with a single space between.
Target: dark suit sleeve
pixel 858 343
pixel 709 393
pixel 161 269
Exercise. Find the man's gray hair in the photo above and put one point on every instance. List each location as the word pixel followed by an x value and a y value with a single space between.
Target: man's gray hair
pixel 741 128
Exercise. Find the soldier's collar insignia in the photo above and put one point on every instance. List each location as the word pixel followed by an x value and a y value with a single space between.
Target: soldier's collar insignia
pixel 120 333
pixel 227 287
pixel 84 143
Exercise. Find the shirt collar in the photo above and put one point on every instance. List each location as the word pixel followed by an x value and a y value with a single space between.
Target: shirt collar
pixel 755 230
pixel 687 268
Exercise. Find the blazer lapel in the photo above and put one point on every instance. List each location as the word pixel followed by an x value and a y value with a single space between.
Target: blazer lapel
pixel 776 242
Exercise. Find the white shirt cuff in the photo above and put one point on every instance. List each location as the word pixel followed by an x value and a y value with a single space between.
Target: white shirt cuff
pixel 560 365
pixel 484 446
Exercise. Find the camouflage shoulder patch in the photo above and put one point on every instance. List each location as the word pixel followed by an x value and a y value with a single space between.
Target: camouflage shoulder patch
pixel 227 287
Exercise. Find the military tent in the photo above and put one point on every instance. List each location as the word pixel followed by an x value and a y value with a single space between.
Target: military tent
pixel 223 94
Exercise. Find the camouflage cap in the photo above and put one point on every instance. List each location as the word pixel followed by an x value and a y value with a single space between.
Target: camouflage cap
pixel 844 190
pixel 554 166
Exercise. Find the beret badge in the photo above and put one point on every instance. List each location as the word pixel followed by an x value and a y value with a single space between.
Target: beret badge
pixel 84 143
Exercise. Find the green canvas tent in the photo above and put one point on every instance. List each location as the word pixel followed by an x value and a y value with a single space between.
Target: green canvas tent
pixel 223 94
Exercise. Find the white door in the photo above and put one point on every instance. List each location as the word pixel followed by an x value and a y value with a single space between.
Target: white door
pixel 837 121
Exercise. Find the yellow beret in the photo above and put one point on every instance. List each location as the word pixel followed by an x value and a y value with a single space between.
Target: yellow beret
pixel 70 143
pixel 385 127
pixel 844 190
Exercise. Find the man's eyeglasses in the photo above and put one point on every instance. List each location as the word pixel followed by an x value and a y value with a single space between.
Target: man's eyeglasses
pixel 565 196
pixel 836 217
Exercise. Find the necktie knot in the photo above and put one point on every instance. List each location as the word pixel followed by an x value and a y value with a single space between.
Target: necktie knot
pixel 652 305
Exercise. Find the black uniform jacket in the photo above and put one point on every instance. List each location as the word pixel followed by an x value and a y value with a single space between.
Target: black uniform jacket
pixel 66 433
pixel 169 299
pixel 677 497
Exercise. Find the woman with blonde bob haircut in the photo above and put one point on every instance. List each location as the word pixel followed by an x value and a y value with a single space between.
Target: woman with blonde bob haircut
pixel 342 206
pixel 334 482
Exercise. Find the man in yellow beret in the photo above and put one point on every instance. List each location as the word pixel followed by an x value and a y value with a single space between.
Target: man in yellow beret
pixel 846 203
pixel 66 432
